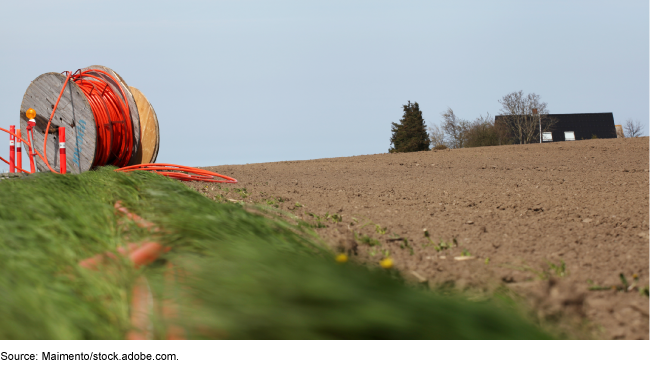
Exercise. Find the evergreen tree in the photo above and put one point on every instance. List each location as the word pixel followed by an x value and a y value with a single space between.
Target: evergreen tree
pixel 410 135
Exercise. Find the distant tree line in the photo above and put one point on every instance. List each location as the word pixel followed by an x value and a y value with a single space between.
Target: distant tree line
pixel 522 117
pixel 519 123
pixel 456 132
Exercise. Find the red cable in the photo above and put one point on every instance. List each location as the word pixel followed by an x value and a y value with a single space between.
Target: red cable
pixel 112 117
pixel 176 172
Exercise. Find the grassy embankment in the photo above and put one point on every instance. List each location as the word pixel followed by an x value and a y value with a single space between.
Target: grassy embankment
pixel 247 276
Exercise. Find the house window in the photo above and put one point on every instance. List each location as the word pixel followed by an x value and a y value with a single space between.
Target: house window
pixel 547 137
pixel 569 136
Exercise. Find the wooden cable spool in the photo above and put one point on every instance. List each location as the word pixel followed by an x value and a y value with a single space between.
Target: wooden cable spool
pixel 74 114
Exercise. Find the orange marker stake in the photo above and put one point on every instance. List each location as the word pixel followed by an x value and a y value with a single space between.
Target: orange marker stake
pixel 62 149
pixel 12 149
pixel 19 151
pixel 30 139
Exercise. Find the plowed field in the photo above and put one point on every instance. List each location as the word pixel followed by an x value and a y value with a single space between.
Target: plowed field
pixel 557 223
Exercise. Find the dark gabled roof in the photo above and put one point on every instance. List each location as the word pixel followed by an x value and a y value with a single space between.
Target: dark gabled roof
pixel 583 125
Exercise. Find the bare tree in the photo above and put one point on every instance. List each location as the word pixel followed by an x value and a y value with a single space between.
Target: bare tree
pixel 455 128
pixel 633 128
pixel 519 119
pixel 436 135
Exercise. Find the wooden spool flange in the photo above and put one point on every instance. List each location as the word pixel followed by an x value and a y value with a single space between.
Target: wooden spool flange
pixel 73 113
pixel 149 132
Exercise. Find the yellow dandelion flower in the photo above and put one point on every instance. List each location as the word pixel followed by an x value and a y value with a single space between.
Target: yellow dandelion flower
pixel 386 263
pixel 342 258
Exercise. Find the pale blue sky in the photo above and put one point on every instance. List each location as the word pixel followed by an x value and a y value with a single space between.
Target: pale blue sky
pixel 254 81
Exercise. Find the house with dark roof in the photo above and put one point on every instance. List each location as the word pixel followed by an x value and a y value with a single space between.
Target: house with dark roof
pixel 577 126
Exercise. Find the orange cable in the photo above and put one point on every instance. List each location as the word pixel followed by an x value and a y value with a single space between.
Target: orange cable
pixel 176 172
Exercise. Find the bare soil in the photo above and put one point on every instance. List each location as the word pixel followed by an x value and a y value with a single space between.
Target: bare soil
pixel 551 222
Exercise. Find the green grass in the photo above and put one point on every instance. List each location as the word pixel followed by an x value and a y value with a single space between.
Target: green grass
pixel 367 240
pixel 247 275
pixel 553 270
pixel 441 245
